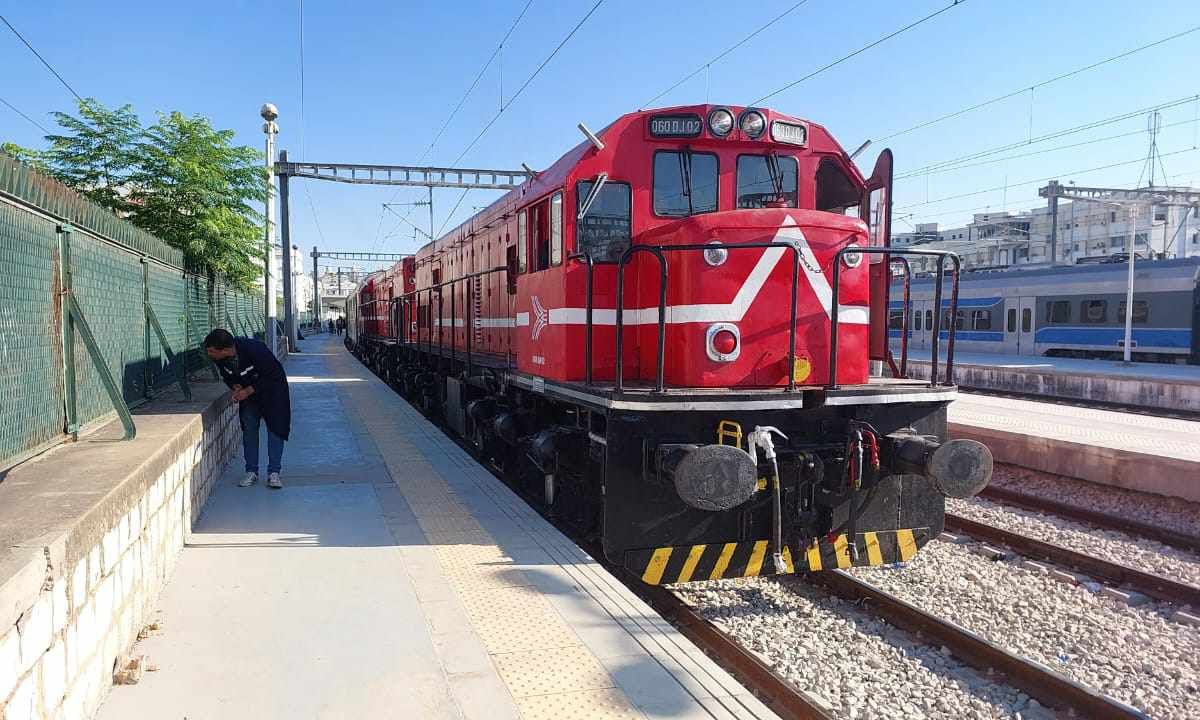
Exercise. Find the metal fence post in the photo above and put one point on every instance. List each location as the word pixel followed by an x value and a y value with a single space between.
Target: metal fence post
pixel 147 376
pixel 66 330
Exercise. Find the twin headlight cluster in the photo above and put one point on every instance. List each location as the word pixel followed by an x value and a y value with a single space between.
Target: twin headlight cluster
pixel 751 122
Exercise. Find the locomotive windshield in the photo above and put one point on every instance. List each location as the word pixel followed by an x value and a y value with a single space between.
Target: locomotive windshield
pixel 685 183
pixel 766 181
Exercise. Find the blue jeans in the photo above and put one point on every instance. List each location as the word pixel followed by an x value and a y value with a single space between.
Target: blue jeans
pixel 250 416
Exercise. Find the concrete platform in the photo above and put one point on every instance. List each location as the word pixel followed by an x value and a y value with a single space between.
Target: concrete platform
pixel 394 577
pixel 1128 450
pixel 1144 385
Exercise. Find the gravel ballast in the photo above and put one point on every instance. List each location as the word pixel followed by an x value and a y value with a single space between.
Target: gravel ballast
pixel 861 666
pixel 1138 553
pixel 1166 512
pixel 1134 654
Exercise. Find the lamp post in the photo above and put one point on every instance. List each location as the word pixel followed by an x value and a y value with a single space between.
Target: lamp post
pixel 269 112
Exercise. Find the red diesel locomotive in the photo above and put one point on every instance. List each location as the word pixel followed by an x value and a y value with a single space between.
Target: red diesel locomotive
pixel 674 338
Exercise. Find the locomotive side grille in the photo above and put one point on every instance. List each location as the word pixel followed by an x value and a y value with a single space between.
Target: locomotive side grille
pixel 691 563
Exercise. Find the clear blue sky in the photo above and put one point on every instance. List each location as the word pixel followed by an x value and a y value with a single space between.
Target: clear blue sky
pixel 380 79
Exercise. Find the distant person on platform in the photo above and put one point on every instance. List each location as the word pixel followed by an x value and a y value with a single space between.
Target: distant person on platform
pixel 260 388
pixel 330 326
pixel 341 325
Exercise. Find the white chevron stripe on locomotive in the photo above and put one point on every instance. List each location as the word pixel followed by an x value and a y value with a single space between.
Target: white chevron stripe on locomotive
pixel 729 312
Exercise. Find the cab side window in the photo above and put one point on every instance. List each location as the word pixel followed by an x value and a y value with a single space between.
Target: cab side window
pixel 603 226
pixel 556 229
pixel 522 241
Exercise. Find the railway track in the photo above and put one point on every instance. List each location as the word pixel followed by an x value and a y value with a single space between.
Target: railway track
pixel 1048 687
pixel 1096 518
pixel 1146 583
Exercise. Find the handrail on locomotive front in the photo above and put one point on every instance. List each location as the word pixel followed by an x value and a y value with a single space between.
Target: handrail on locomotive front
pixel 658 252
pixel 941 256
pixel 902 371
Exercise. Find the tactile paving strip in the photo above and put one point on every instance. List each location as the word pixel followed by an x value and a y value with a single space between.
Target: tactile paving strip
pixel 542 672
pixel 580 705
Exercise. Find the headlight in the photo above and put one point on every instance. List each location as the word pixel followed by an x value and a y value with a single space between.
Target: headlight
pixel 720 122
pixel 752 123
pixel 852 259
pixel 715 255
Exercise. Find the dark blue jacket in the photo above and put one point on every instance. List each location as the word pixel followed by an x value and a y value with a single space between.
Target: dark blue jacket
pixel 255 366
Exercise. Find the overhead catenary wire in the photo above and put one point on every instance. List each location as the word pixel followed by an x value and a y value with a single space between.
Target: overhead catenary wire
pixel 17 110
pixel 37 54
pixel 454 112
pixel 513 99
pixel 725 52
pixel 1048 136
pixel 1141 159
pixel 1107 138
pixel 1035 86
pixel 859 51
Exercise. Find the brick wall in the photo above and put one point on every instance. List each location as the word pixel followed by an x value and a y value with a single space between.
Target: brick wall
pixel 102 581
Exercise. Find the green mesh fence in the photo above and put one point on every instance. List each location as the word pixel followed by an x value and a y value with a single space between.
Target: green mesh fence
pixel 116 271
pixel 31 373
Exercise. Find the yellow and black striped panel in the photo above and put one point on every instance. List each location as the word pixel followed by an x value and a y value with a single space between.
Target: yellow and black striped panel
pixel 692 563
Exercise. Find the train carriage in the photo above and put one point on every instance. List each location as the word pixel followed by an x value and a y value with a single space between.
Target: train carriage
pixel 673 338
pixel 1076 311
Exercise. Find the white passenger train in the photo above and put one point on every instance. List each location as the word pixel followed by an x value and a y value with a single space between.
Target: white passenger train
pixel 1076 311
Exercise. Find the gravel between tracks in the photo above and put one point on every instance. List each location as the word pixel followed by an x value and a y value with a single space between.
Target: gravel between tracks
pixel 1134 654
pixel 1173 513
pixel 1137 553
pixel 863 667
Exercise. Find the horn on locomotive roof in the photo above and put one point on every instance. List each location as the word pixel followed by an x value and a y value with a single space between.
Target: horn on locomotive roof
pixel 591 136
pixel 531 171
pixel 862 147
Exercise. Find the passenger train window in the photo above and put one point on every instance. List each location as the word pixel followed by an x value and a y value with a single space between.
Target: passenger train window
pixel 928 319
pixel 1093 311
pixel 1058 311
pixel 556 229
pixel 604 232
pixel 766 181
pixel 1012 320
pixel 981 319
pixel 1026 320
pixel 1141 311
pixel 685 183
pixel 916 321
pixel 895 319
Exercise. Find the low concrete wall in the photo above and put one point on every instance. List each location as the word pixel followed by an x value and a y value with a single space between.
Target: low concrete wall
pixel 1172 477
pixel 1157 393
pixel 89 534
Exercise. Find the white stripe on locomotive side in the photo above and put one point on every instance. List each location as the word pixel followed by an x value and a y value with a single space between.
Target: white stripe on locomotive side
pixel 734 311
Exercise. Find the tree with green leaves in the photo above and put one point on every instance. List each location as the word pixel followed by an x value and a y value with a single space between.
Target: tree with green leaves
pixel 179 179
pixel 193 187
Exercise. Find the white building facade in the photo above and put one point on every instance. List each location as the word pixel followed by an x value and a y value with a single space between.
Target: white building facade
pixel 1087 232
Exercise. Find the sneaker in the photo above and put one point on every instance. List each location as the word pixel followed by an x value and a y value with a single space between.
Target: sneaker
pixel 273 481
pixel 250 479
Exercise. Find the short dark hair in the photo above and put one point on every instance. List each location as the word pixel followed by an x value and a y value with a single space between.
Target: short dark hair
pixel 219 339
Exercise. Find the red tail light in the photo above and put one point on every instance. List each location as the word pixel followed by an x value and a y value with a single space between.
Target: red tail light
pixel 724 342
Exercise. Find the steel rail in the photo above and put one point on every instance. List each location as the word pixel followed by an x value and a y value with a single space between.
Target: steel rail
pixel 1150 584
pixel 775 692
pixel 1094 517
pixel 1038 681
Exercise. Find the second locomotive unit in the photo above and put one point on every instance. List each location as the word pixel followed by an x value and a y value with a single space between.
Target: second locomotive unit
pixel 674 338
